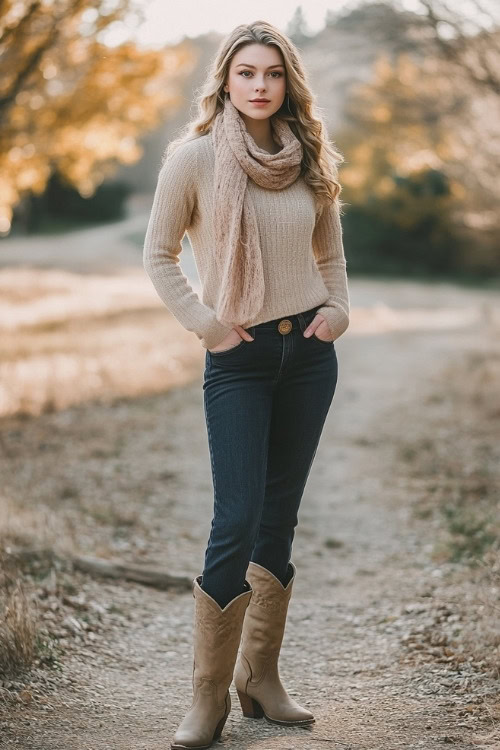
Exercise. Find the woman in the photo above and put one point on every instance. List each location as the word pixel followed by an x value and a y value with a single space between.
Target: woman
pixel 254 183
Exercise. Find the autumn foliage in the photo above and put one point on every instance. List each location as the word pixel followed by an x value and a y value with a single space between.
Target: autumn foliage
pixel 70 101
pixel 417 173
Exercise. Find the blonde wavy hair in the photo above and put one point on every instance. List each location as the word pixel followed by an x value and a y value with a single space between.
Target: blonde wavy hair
pixel 320 157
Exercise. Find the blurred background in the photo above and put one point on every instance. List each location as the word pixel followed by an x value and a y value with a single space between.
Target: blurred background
pixel 91 93
pixel 103 449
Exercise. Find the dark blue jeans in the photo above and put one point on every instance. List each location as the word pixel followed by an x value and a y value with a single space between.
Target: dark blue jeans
pixel 266 402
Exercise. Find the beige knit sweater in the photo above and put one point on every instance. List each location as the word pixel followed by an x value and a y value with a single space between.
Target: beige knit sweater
pixel 303 258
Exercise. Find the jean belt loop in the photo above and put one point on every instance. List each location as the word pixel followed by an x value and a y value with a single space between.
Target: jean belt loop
pixel 302 322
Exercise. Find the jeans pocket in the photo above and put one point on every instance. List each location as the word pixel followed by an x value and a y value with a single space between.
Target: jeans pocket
pixel 227 351
pixel 322 341
pixel 238 346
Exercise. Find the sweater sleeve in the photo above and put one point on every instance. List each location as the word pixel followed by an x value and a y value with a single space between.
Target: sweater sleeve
pixel 330 259
pixel 171 213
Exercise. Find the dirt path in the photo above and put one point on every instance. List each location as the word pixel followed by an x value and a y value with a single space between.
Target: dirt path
pixel 366 579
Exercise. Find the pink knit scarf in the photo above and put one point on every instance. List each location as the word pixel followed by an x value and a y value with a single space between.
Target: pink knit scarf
pixel 237 250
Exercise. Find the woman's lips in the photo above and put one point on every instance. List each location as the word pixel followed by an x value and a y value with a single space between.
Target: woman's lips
pixel 259 104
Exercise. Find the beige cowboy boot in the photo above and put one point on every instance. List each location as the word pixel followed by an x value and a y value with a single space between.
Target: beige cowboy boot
pixel 217 634
pixel 256 675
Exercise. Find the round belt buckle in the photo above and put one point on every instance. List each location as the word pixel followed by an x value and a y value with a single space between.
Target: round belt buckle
pixel 285 326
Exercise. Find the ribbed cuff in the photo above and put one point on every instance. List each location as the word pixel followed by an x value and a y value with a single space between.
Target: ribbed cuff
pixel 214 334
pixel 336 319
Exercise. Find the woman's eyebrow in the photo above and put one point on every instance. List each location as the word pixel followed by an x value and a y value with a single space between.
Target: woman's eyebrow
pixel 253 66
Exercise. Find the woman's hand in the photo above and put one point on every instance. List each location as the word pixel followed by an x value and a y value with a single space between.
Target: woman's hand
pixel 319 327
pixel 233 338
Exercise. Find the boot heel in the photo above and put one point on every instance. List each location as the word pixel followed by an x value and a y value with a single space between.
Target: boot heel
pixel 219 728
pixel 250 707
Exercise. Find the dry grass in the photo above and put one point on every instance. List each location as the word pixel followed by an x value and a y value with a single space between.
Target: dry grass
pixel 490 740
pixel 18 624
pixel 481 632
pixel 68 338
pixel 457 466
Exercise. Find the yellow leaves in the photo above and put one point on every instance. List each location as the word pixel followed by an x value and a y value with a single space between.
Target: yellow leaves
pixel 134 113
pixel 403 69
pixel 84 106
pixel 401 123
pixel 77 51
pixel 49 71
pixel 36 102
pixel 47 118
pixel 353 177
pixel 13 15
pixel 416 160
pixel 20 169
pixel 129 151
pixel 5 220
pixel 7 191
pixel 385 186
pixel 383 68
pixel 407 71
pixel 20 153
pixel 27 178
pixel 381 113
pixel 20 117
pixel 459 191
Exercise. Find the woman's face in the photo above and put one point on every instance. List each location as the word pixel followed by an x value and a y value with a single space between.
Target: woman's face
pixel 257 72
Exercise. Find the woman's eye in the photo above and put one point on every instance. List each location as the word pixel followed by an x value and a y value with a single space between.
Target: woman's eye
pixel 277 72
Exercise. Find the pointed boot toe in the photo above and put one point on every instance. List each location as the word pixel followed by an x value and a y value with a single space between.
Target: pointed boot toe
pixel 217 634
pixel 256 676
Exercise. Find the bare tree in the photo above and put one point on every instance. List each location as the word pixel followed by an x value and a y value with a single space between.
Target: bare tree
pixel 468 39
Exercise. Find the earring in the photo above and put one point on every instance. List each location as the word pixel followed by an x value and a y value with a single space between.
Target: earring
pixel 288 103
